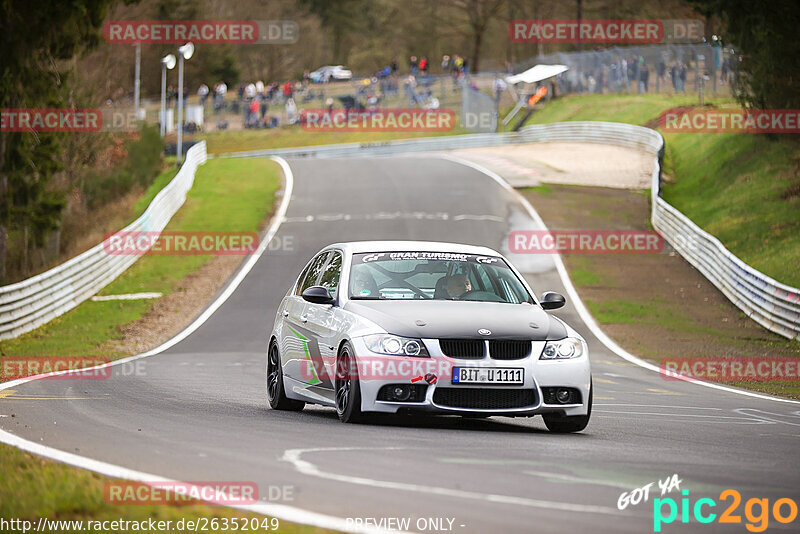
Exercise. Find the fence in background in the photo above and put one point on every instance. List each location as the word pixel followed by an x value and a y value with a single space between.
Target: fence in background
pixel 33 302
pixel 659 68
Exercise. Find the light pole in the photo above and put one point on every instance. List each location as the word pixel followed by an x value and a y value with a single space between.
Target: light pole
pixel 136 82
pixel 185 52
pixel 167 62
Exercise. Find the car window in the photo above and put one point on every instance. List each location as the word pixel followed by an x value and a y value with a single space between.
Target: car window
pixel 332 273
pixel 484 283
pixel 301 278
pixel 312 273
pixel 434 275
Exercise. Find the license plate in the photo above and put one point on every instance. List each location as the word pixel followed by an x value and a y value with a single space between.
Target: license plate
pixel 488 375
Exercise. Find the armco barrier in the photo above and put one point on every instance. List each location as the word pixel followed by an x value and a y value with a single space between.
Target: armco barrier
pixel 774 305
pixel 36 300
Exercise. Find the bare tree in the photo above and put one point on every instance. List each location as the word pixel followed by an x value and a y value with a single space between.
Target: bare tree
pixel 479 14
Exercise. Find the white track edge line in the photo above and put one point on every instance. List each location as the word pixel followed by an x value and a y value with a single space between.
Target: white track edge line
pixel 586 317
pixel 281 511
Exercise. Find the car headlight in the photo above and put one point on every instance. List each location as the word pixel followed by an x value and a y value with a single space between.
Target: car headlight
pixel 562 349
pixel 395 345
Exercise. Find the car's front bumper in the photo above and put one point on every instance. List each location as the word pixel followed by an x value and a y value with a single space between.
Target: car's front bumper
pixel 487 399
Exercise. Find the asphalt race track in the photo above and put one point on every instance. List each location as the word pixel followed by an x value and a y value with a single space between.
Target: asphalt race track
pixel 199 413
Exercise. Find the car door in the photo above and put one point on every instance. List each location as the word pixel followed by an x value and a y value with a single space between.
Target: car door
pixel 324 322
pixel 298 342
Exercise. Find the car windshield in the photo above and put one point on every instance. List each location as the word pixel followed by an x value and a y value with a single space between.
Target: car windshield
pixel 434 275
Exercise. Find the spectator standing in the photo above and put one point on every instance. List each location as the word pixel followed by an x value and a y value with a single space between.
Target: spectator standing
pixel 220 90
pixel 254 108
pixel 250 91
pixel 262 101
pixel 644 76
pixel 661 69
pixel 291 111
pixel 414 65
pixel 676 74
pixel 410 87
pixel 202 92
pixel 623 66
pixel 499 86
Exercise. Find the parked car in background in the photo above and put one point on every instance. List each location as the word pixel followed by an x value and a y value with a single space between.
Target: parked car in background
pixel 330 72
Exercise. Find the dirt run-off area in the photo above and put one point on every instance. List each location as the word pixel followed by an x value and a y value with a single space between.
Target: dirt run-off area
pixel 593 164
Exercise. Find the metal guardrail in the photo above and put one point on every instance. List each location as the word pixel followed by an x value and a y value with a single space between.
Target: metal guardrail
pixel 774 305
pixel 33 302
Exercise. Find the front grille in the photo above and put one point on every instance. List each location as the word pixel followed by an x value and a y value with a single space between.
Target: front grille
pixel 463 348
pixel 501 349
pixel 485 399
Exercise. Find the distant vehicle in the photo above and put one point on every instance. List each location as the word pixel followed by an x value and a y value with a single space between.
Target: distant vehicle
pixel 330 72
pixel 383 326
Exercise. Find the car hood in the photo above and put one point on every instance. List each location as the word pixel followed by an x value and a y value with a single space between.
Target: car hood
pixel 459 319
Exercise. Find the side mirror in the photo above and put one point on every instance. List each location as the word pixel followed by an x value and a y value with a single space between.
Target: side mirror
pixel 317 295
pixel 551 300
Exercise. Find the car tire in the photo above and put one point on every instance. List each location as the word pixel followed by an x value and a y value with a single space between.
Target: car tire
pixel 276 394
pixel 347 388
pixel 567 424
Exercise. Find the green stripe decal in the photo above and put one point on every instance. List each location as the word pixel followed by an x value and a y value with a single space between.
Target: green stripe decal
pixel 315 379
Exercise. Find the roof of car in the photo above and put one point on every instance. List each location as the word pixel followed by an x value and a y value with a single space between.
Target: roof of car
pixel 356 247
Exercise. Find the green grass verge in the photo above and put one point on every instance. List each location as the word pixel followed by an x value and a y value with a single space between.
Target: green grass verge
pixel 656 312
pixel 633 109
pixel 582 274
pixel 229 195
pixel 32 487
pixel 293 136
pixel 745 190
pixel 742 188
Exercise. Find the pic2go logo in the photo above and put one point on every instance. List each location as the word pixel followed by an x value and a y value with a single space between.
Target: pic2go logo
pixel 783 511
